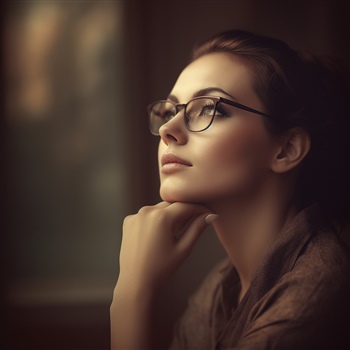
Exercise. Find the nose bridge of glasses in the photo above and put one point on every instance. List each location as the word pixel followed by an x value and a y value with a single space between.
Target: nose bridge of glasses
pixel 179 107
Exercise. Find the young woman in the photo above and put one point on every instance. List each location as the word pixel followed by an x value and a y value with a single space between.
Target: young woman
pixel 253 139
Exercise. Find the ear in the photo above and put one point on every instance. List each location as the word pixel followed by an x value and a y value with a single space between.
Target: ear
pixel 293 146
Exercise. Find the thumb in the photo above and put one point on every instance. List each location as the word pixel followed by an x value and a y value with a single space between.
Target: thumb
pixel 194 230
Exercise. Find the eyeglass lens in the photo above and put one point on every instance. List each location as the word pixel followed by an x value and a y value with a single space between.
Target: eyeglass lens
pixel 198 114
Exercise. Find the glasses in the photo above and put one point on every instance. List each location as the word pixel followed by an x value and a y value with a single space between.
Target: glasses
pixel 199 112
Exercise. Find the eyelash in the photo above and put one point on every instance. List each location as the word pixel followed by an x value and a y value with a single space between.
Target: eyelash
pixel 220 112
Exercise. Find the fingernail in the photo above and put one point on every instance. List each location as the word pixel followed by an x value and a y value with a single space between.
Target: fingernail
pixel 210 218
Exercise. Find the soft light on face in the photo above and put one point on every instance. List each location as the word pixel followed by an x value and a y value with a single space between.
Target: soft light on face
pixel 231 158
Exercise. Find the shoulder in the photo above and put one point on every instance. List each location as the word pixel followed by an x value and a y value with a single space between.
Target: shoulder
pixel 309 306
pixel 320 276
pixel 324 262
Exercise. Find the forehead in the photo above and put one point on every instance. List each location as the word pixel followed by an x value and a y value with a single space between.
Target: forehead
pixel 222 70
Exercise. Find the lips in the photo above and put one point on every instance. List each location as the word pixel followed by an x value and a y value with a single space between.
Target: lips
pixel 171 158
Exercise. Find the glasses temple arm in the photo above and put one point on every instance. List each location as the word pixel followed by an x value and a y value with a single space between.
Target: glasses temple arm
pixel 240 106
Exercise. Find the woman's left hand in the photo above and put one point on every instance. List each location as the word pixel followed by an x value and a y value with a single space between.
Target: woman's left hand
pixel 150 250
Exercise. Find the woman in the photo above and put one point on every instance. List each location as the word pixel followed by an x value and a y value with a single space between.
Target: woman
pixel 253 141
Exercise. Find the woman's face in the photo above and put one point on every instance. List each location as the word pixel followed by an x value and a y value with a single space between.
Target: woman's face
pixel 228 160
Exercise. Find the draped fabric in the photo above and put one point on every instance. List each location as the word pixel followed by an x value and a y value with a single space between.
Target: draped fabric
pixel 298 297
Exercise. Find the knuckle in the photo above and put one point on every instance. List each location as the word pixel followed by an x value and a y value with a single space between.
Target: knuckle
pixel 148 215
pixel 127 220
pixel 144 210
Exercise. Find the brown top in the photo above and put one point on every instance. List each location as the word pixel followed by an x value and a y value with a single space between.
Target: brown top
pixel 299 296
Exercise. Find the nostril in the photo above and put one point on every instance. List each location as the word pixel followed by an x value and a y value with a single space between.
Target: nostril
pixel 164 140
pixel 172 137
pixel 167 138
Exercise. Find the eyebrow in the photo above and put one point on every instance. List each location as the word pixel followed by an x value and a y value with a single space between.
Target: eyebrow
pixel 202 92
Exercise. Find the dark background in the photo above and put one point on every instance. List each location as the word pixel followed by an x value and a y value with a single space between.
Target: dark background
pixel 77 153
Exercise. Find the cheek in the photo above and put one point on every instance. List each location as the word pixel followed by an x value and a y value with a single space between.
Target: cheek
pixel 237 161
pixel 227 162
pixel 243 148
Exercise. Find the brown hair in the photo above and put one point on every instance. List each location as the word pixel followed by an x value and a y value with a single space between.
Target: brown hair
pixel 300 89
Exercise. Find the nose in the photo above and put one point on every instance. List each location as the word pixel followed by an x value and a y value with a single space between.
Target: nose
pixel 174 131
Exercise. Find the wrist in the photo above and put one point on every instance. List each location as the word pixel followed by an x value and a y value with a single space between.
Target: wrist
pixel 133 293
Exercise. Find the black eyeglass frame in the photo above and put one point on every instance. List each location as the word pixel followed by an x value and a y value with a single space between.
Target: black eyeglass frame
pixel 216 101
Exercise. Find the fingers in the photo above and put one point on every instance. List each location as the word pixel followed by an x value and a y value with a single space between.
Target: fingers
pixel 177 213
pixel 184 216
pixel 148 208
pixel 194 230
pixel 182 213
pixel 150 250
pixel 179 217
pixel 162 205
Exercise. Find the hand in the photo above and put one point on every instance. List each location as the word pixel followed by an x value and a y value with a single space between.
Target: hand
pixel 150 252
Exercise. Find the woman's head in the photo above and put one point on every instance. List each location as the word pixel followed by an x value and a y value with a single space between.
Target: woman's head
pixel 230 157
pixel 296 90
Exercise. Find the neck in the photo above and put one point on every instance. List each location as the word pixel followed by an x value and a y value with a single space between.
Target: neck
pixel 247 227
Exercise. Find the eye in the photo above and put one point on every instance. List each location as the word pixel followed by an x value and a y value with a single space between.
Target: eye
pixel 167 115
pixel 164 111
pixel 207 110
pixel 200 107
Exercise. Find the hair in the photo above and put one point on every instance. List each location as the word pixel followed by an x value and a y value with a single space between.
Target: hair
pixel 300 89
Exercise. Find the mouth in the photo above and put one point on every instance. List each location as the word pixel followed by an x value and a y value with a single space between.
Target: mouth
pixel 171 162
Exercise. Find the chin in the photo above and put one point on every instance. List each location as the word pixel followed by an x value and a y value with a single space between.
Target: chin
pixel 196 194
pixel 172 198
pixel 184 196
pixel 176 196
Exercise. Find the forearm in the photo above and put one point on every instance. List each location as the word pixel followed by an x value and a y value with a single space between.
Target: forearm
pixel 131 316
pixel 148 257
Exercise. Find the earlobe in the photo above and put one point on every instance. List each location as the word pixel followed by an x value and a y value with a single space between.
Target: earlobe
pixel 292 148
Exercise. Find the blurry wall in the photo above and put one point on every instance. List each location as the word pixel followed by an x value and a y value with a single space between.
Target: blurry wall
pixel 78 76
pixel 66 173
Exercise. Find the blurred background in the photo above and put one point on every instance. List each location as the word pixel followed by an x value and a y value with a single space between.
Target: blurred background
pixel 77 153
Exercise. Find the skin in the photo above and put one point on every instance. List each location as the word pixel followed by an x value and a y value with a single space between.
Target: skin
pixel 233 153
pixel 237 171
